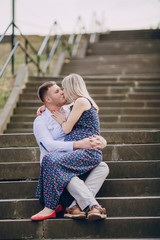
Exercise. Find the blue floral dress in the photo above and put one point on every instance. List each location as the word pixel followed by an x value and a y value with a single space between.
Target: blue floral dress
pixel 58 169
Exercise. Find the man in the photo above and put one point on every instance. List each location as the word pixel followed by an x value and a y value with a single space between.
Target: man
pixel 50 137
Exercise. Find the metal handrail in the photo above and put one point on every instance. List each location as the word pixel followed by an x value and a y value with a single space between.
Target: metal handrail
pixel 9 58
pixel 97 24
pixel 41 49
pixel 52 52
pixel 93 37
pixel 18 43
pixel 76 45
pixel 26 39
pixel 71 39
pixel 27 55
pixel 46 39
pixel 3 35
pixel 66 45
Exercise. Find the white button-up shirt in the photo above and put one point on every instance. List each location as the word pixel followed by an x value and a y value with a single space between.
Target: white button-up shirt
pixel 49 134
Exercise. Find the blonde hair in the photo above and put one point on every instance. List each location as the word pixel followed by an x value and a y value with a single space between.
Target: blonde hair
pixel 75 87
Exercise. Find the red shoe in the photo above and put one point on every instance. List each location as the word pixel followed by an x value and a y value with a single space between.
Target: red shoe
pixel 59 208
pixel 39 218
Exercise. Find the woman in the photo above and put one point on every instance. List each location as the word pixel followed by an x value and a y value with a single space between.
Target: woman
pixel 58 169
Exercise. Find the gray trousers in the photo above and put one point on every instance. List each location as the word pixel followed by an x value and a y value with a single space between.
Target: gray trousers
pixel 84 192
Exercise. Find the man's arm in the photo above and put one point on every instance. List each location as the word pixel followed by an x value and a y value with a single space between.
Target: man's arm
pixel 45 139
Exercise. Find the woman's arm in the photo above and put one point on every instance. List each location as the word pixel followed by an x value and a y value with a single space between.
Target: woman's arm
pixel 80 105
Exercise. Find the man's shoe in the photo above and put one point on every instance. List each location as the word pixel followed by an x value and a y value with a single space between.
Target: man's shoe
pixel 75 213
pixel 96 213
pixel 40 218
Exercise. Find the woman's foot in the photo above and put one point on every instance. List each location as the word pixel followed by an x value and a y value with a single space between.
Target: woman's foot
pixel 44 214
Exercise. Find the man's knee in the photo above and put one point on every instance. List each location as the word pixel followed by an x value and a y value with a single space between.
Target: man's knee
pixel 73 182
pixel 104 168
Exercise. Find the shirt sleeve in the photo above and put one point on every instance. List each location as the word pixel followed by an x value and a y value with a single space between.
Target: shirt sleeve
pixel 45 140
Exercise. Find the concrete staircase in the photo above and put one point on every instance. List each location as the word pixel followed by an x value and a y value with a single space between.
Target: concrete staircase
pixel 125 82
pixel 126 102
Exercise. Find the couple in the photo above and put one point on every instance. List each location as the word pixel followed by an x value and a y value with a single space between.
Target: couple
pixel 70 145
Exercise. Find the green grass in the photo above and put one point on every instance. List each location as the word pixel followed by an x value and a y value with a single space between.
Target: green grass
pixel 7 80
pixel 6 84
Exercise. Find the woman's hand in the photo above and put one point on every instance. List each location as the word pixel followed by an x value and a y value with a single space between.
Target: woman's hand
pixel 40 110
pixel 59 117
pixel 97 142
pixel 93 142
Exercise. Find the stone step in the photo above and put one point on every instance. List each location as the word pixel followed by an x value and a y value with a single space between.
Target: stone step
pixel 112 137
pixel 101 90
pixel 110 125
pixel 130 34
pixel 106 96
pixel 139 63
pixel 116 207
pixel 148 84
pixel 145 96
pixel 123 125
pixel 127 227
pixel 19 119
pixel 20 130
pixel 19 154
pixel 121 128
pixel 105 103
pixel 125 152
pixel 33 85
pixel 113 65
pixel 92 90
pixel 94 96
pixel 94 78
pixel 102 110
pixel 110 188
pixel 24 140
pixel 128 111
pixel 122 47
pixel 146 89
pixel 137 118
pixel 118 169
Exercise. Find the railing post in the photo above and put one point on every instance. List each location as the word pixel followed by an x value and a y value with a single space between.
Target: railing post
pixel 26 47
pixel 47 49
pixel 38 62
pixel 47 52
pixel 13 8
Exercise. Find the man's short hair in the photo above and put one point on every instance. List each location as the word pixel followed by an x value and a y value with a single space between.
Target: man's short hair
pixel 42 90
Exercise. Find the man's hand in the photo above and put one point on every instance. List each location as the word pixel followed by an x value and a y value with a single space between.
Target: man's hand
pixel 94 142
pixel 98 142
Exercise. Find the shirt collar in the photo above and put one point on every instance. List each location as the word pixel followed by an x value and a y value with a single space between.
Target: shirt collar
pixel 48 112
